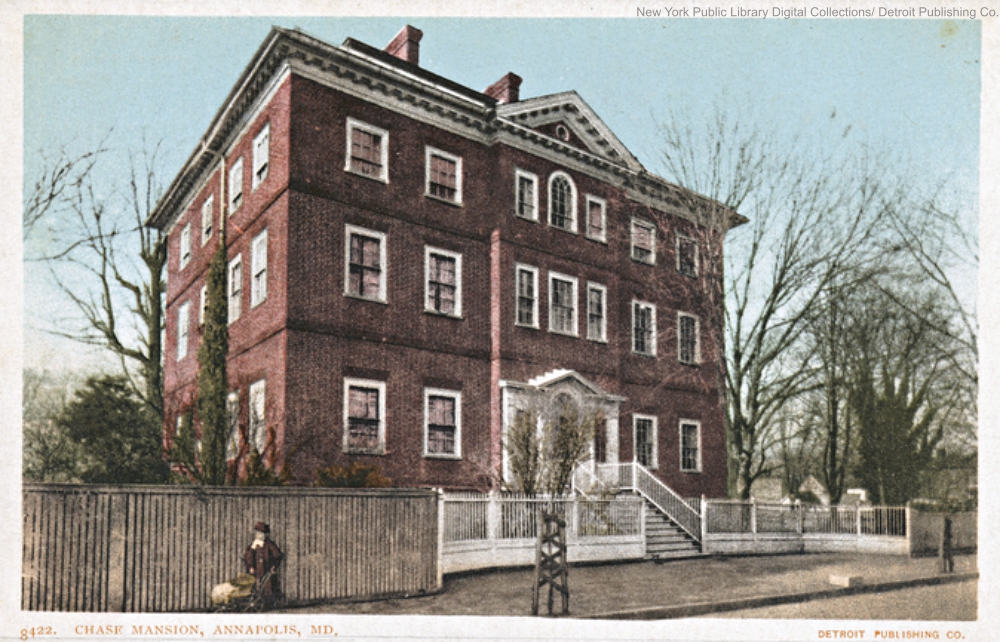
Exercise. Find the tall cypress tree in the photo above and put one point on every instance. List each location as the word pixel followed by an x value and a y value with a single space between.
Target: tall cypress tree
pixel 212 386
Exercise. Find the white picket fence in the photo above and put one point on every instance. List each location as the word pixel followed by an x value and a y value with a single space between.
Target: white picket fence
pixel 739 527
pixel 498 530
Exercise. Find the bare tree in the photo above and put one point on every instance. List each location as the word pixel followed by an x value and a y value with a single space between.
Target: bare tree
pixel 810 218
pixel 58 178
pixel 937 244
pixel 547 441
pixel 106 262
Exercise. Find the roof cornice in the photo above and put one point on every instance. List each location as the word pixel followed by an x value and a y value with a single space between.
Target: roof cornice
pixel 427 97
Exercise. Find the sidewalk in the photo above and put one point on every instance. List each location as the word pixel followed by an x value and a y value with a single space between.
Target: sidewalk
pixel 649 590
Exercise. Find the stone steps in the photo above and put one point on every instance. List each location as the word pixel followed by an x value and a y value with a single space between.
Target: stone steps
pixel 666 540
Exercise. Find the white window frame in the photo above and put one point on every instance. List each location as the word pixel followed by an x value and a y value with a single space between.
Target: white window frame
pixel 353 124
pixel 258 269
pixel 457 396
pixel 235 185
pixel 533 179
pixel 554 276
pixel 687 239
pixel 261 155
pixel 185 246
pixel 639 222
pixel 573 199
pixel 183 329
pixel 602 336
pixel 680 444
pixel 430 152
pixel 653 334
pixel 233 424
pixel 202 301
pixel 518 268
pixel 350 382
pixel 603 236
pixel 655 437
pixel 207 219
pixel 697 338
pixel 234 290
pixel 257 434
pixel 349 231
pixel 428 250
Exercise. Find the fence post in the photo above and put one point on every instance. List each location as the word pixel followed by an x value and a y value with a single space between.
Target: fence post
pixel 909 528
pixel 440 538
pixel 704 523
pixel 493 518
pixel 857 519
pixel 799 517
pixel 753 516
pixel 572 530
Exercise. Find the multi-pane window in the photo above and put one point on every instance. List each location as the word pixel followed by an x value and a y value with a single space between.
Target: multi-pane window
pixel 644 428
pixel 236 185
pixel 562 202
pixel 562 304
pixel 207 219
pixel 442 423
pixel 444 281
pixel 596 312
pixel 596 218
pixel 644 328
pixel 185 245
pixel 183 329
pixel 235 288
pixel 367 150
pixel 258 269
pixel 690 446
pixel 687 256
pixel 364 416
pixel 643 241
pixel 258 416
pixel 202 302
pixel 365 264
pixel 527 195
pixel 233 422
pixel 688 341
pixel 261 155
pixel 444 175
pixel 527 296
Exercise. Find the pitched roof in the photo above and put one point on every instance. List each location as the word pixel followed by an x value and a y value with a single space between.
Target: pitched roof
pixel 363 70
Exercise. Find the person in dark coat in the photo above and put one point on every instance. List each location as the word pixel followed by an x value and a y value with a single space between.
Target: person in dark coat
pixel 261 556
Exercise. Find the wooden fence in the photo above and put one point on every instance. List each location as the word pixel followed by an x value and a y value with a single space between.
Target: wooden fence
pixel 154 549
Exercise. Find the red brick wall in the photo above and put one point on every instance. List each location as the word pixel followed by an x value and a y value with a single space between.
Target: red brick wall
pixel 263 207
pixel 308 335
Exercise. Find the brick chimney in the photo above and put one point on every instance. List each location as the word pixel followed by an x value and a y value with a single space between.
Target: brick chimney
pixel 505 90
pixel 406 45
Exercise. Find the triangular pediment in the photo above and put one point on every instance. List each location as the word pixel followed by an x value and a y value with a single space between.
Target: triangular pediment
pixel 566 380
pixel 568 119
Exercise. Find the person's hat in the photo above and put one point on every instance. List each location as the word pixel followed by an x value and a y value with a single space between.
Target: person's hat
pixel 262 527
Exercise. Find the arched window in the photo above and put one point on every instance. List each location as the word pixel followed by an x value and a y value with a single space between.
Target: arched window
pixel 562 202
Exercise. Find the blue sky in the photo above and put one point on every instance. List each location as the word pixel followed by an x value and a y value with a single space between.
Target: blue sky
pixel 911 87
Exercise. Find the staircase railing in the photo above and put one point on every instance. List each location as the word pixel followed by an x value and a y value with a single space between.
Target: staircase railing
pixel 634 476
